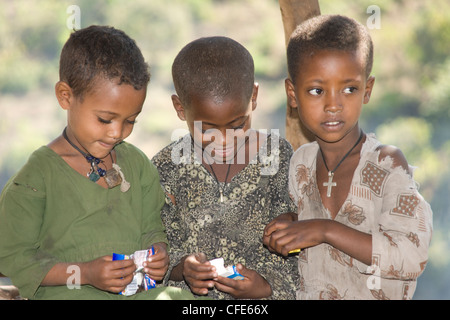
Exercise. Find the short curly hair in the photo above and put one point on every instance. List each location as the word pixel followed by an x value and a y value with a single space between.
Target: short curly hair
pixel 105 52
pixel 213 67
pixel 328 32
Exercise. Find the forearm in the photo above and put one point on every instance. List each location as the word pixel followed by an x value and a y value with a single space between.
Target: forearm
pixel 60 272
pixel 177 271
pixel 355 243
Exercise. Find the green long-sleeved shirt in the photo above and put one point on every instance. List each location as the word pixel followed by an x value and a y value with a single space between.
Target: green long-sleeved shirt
pixel 49 213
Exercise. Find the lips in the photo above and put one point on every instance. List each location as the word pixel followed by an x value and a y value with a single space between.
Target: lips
pixel 108 145
pixel 332 125
pixel 224 152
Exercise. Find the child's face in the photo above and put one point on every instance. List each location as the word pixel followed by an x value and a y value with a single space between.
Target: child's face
pixel 210 122
pixel 330 89
pixel 104 117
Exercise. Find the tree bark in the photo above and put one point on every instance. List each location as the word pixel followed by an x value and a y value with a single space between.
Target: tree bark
pixel 294 12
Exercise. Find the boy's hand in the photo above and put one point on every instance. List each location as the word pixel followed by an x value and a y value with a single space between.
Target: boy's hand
pixel 108 275
pixel 198 273
pixel 253 286
pixel 156 266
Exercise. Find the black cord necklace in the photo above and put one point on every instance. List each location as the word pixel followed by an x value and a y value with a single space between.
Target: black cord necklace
pixel 113 177
pixel 222 189
pixel 96 172
pixel 330 182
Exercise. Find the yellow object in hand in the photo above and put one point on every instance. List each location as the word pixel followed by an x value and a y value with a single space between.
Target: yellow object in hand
pixel 295 251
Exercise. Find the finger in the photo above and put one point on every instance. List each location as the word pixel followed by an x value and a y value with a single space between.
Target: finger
pixel 284 243
pixel 235 288
pixel 230 283
pixel 203 268
pixel 200 290
pixel 269 228
pixel 201 275
pixel 266 240
pixel 120 273
pixel 277 241
pixel 201 257
pixel 158 257
pixel 156 275
pixel 119 264
pixel 242 269
pixel 156 264
pixel 156 268
pixel 199 286
pixel 276 225
pixel 226 285
pixel 119 284
pixel 194 265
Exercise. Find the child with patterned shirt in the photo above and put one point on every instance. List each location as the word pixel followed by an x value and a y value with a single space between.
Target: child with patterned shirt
pixel 224 181
pixel 363 227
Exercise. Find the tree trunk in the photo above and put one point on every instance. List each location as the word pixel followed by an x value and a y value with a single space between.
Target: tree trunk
pixel 294 12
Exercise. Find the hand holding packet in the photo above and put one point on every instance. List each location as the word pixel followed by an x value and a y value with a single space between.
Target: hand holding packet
pixel 140 280
pixel 228 272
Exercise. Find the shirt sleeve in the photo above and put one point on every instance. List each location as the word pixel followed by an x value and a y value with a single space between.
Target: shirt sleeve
pixel 400 243
pixel 153 229
pixel 282 202
pixel 283 288
pixel 22 206
pixel 300 176
pixel 169 211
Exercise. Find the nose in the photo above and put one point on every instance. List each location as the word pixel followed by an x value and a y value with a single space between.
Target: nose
pixel 115 131
pixel 333 103
pixel 219 137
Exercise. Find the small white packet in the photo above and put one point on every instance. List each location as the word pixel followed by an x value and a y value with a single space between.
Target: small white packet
pixel 227 272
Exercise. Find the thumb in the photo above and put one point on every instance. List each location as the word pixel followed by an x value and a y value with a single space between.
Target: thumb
pixel 242 270
pixel 201 257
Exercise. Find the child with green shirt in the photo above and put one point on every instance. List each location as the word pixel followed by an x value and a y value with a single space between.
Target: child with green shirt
pixel 88 194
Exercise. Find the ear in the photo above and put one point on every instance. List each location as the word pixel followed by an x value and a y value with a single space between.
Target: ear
pixel 368 90
pixel 255 95
pixel 290 93
pixel 178 106
pixel 64 94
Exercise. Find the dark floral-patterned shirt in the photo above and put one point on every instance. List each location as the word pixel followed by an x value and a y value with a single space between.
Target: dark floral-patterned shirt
pixel 232 229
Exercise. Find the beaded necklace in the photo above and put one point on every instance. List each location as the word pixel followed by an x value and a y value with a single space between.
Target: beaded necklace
pixel 113 177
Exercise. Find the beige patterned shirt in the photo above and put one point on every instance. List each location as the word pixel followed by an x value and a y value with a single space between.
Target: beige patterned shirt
pixel 382 201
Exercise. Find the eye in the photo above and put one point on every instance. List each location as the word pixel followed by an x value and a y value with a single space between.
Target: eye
pixel 132 122
pixel 349 90
pixel 207 131
pixel 240 126
pixel 315 92
pixel 103 120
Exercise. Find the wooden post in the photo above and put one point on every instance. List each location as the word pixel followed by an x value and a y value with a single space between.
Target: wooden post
pixel 294 12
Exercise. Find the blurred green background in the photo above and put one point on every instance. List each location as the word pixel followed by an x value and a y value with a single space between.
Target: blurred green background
pixel 410 105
